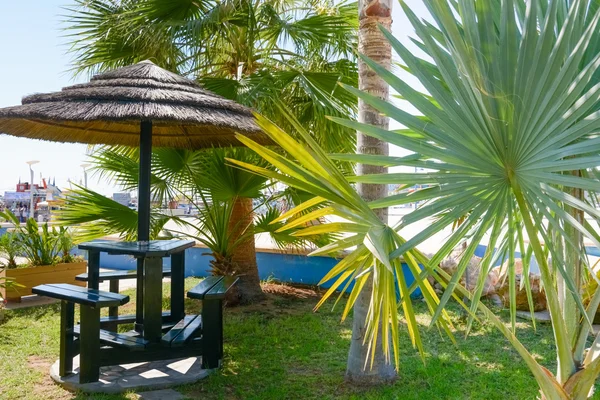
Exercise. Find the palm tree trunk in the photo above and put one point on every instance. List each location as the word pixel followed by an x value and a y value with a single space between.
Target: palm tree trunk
pixel 244 256
pixel 372 44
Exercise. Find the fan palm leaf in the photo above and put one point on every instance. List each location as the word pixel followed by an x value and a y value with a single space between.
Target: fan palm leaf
pixel 508 129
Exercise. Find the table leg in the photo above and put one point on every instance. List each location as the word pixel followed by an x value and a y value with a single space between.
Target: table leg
pixel 67 347
pixel 89 345
pixel 152 299
pixel 139 297
pixel 177 286
pixel 93 269
pixel 113 311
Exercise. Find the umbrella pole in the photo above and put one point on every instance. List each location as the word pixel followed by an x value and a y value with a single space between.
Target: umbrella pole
pixel 143 214
pixel 144 181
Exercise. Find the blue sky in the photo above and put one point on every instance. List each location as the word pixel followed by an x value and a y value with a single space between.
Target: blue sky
pixel 34 59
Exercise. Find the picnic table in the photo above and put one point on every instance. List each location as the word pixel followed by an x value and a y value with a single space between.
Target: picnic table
pixel 149 316
pixel 158 335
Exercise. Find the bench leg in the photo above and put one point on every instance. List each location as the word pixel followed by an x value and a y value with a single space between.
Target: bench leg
pixel 113 311
pixel 67 345
pixel 152 299
pixel 93 269
pixel 212 334
pixel 139 297
pixel 177 286
pixel 89 345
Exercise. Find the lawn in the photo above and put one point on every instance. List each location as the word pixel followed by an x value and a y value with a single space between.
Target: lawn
pixel 280 349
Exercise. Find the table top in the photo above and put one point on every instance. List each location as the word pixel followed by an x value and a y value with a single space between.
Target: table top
pixel 153 248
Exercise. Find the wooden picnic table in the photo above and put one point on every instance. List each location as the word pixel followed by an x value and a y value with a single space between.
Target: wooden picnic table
pixel 159 336
pixel 149 316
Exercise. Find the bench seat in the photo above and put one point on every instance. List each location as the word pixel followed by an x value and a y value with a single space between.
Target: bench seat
pixel 117 339
pixel 118 275
pixel 184 331
pixel 89 333
pixel 127 319
pixel 212 291
pixel 212 288
pixel 83 296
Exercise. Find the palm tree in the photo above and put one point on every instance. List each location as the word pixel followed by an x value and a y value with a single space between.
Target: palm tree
pixel 200 178
pixel 508 131
pixel 269 55
pixel 263 54
pixel 371 43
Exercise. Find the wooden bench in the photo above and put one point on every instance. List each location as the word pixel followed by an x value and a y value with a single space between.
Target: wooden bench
pixel 209 324
pixel 113 277
pixel 117 275
pixel 88 332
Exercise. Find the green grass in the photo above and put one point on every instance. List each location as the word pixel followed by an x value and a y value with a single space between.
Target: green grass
pixel 282 350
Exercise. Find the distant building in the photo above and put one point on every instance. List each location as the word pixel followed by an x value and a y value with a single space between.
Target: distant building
pixel 25 187
pixel 122 198
pixel 22 194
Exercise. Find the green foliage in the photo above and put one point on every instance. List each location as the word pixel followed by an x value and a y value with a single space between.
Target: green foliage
pixel 508 132
pixel 282 350
pixel 201 178
pixel 65 243
pixel 40 246
pixel 368 241
pixel 97 216
pixel 10 248
pixel 263 54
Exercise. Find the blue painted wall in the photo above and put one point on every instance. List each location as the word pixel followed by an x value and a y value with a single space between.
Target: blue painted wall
pixel 292 268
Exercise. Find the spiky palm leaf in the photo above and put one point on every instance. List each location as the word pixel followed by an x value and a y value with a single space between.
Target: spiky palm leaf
pixel 367 238
pixel 511 111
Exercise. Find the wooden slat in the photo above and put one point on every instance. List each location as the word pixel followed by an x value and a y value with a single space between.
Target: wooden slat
pixel 221 288
pixel 188 332
pixel 76 294
pixel 117 339
pixel 126 319
pixel 118 275
pixel 115 296
pixel 177 329
pixel 203 287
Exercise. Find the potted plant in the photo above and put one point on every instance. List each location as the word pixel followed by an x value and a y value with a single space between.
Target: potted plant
pixel 47 252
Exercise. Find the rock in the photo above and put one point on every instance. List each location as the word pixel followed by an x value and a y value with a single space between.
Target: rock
pixel 537 293
pixel 470 277
pixel 503 269
pixel 496 300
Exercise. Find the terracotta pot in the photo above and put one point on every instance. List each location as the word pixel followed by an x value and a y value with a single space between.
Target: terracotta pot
pixel 33 276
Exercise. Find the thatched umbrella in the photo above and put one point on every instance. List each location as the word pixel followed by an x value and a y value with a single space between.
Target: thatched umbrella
pixel 138 105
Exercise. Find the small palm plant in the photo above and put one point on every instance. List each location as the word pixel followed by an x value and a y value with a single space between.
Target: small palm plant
pixel 223 195
pixel 10 249
pixel 40 245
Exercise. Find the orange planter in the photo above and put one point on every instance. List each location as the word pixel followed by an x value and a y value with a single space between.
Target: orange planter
pixel 33 276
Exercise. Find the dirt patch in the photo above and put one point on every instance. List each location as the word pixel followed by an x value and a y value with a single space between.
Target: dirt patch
pixel 46 388
pixel 297 292
pixel 282 300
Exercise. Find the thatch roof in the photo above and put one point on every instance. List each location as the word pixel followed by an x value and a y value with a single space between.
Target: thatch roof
pixel 109 108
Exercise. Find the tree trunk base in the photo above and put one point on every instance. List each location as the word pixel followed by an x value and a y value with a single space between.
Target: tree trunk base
pixel 371 378
pixel 244 256
pixel 252 293
pixel 244 293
